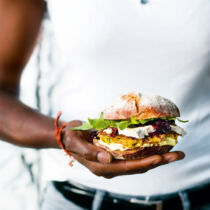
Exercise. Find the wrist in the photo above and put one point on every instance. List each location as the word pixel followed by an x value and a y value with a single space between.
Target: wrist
pixel 59 136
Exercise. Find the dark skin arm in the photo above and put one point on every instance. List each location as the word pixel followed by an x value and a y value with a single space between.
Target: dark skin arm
pixel 20 22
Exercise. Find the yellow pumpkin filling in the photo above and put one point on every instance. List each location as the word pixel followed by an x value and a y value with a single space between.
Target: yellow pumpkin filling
pixel 130 143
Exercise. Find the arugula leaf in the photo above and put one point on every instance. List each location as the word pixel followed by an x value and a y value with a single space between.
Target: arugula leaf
pixel 123 124
pixel 83 127
pixel 112 123
pixel 134 121
pixel 92 121
pixel 101 116
pixel 144 121
pixel 183 121
pixel 102 123
pixel 170 118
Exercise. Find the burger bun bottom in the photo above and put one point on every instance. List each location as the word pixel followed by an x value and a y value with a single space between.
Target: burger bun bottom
pixel 136 153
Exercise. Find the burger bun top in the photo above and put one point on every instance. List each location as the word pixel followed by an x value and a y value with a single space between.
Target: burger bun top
pixel 140 106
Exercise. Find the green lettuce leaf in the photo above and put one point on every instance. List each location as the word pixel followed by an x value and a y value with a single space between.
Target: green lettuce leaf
pixel 101 123
pixel 134 121
pixel 123 124
pixel 183 121
pixel 83 127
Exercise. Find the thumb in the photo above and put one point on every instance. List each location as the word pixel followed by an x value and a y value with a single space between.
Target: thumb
pixel 89 151
pixel 95 153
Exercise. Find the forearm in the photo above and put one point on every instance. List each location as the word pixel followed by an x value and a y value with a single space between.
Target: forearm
pixel 20 23
pixel 23 126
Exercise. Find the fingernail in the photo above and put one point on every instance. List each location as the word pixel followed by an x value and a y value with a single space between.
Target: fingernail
pixel 179 156
pixel 103 157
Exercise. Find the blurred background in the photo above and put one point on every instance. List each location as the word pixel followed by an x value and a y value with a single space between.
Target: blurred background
pixel 21 168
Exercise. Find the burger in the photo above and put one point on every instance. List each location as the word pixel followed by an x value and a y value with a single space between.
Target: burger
pixel 136 125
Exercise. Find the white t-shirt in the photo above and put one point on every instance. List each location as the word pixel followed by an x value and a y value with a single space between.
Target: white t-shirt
pixel 116 46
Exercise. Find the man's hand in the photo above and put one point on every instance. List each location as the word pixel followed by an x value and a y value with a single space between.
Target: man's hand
pixel 100 162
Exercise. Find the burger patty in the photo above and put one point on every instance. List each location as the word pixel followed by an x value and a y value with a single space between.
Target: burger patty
pixel 130 143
